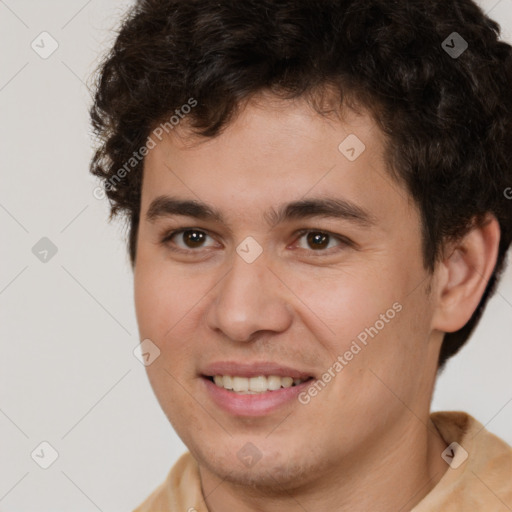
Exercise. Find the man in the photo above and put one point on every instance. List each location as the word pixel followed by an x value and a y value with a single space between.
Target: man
pixel 318 216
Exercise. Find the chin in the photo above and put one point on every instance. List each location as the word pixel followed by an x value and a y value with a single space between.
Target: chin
pixel 273 472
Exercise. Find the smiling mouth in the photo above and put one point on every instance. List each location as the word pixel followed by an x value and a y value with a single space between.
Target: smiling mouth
pixel 254 385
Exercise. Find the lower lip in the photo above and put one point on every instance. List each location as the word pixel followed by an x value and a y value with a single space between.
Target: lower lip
pixel 256 404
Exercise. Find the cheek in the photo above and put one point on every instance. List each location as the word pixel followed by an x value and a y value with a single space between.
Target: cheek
pixel 164 305
pixel 169 309
pixel 372 320
pixel 147 297
pixel 338 304
pixel 163 297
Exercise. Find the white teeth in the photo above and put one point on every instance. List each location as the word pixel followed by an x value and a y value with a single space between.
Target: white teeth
pixel 227 382
pixel 240 384
pixel 273 382
pixel 258 384
pixel 254 385
pixel 286 382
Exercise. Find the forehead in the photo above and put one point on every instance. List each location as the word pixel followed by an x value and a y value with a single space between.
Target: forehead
pixel 276 151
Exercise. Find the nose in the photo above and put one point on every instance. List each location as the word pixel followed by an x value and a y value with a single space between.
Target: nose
pixel 249 299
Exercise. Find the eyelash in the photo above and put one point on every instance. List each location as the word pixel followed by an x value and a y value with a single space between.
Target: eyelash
pixel 167 237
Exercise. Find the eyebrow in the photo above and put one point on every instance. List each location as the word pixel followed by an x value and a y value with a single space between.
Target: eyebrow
pixel 326 207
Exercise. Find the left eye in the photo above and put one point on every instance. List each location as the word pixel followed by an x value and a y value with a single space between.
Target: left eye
pixel 319 240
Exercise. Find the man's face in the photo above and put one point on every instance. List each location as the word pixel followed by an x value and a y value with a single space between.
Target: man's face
pixel 309 300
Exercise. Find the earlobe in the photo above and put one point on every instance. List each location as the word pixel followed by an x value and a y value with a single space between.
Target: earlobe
pixel 463 275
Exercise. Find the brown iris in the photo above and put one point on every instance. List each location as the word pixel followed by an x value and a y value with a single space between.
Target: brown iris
pixel 318 240
pixel 194 237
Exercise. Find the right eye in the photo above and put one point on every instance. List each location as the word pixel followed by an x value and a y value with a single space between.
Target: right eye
pixel 192 238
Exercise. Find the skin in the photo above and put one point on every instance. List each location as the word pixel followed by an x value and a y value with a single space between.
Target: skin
pixel 301 306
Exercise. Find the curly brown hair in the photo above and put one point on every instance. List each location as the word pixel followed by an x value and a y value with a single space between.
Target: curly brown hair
pixel 448 117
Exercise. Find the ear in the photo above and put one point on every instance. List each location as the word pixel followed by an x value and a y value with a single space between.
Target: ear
pixel 463 275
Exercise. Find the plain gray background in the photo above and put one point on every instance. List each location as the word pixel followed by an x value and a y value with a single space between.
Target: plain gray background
pixel 68 330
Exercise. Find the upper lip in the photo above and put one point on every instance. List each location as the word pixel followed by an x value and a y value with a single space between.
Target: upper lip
pixel 265 368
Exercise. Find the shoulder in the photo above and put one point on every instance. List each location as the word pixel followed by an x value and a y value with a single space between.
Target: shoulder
pixel 181 490
pixel 479 476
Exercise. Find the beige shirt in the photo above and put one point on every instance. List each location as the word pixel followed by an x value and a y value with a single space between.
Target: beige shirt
pixel 481 483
